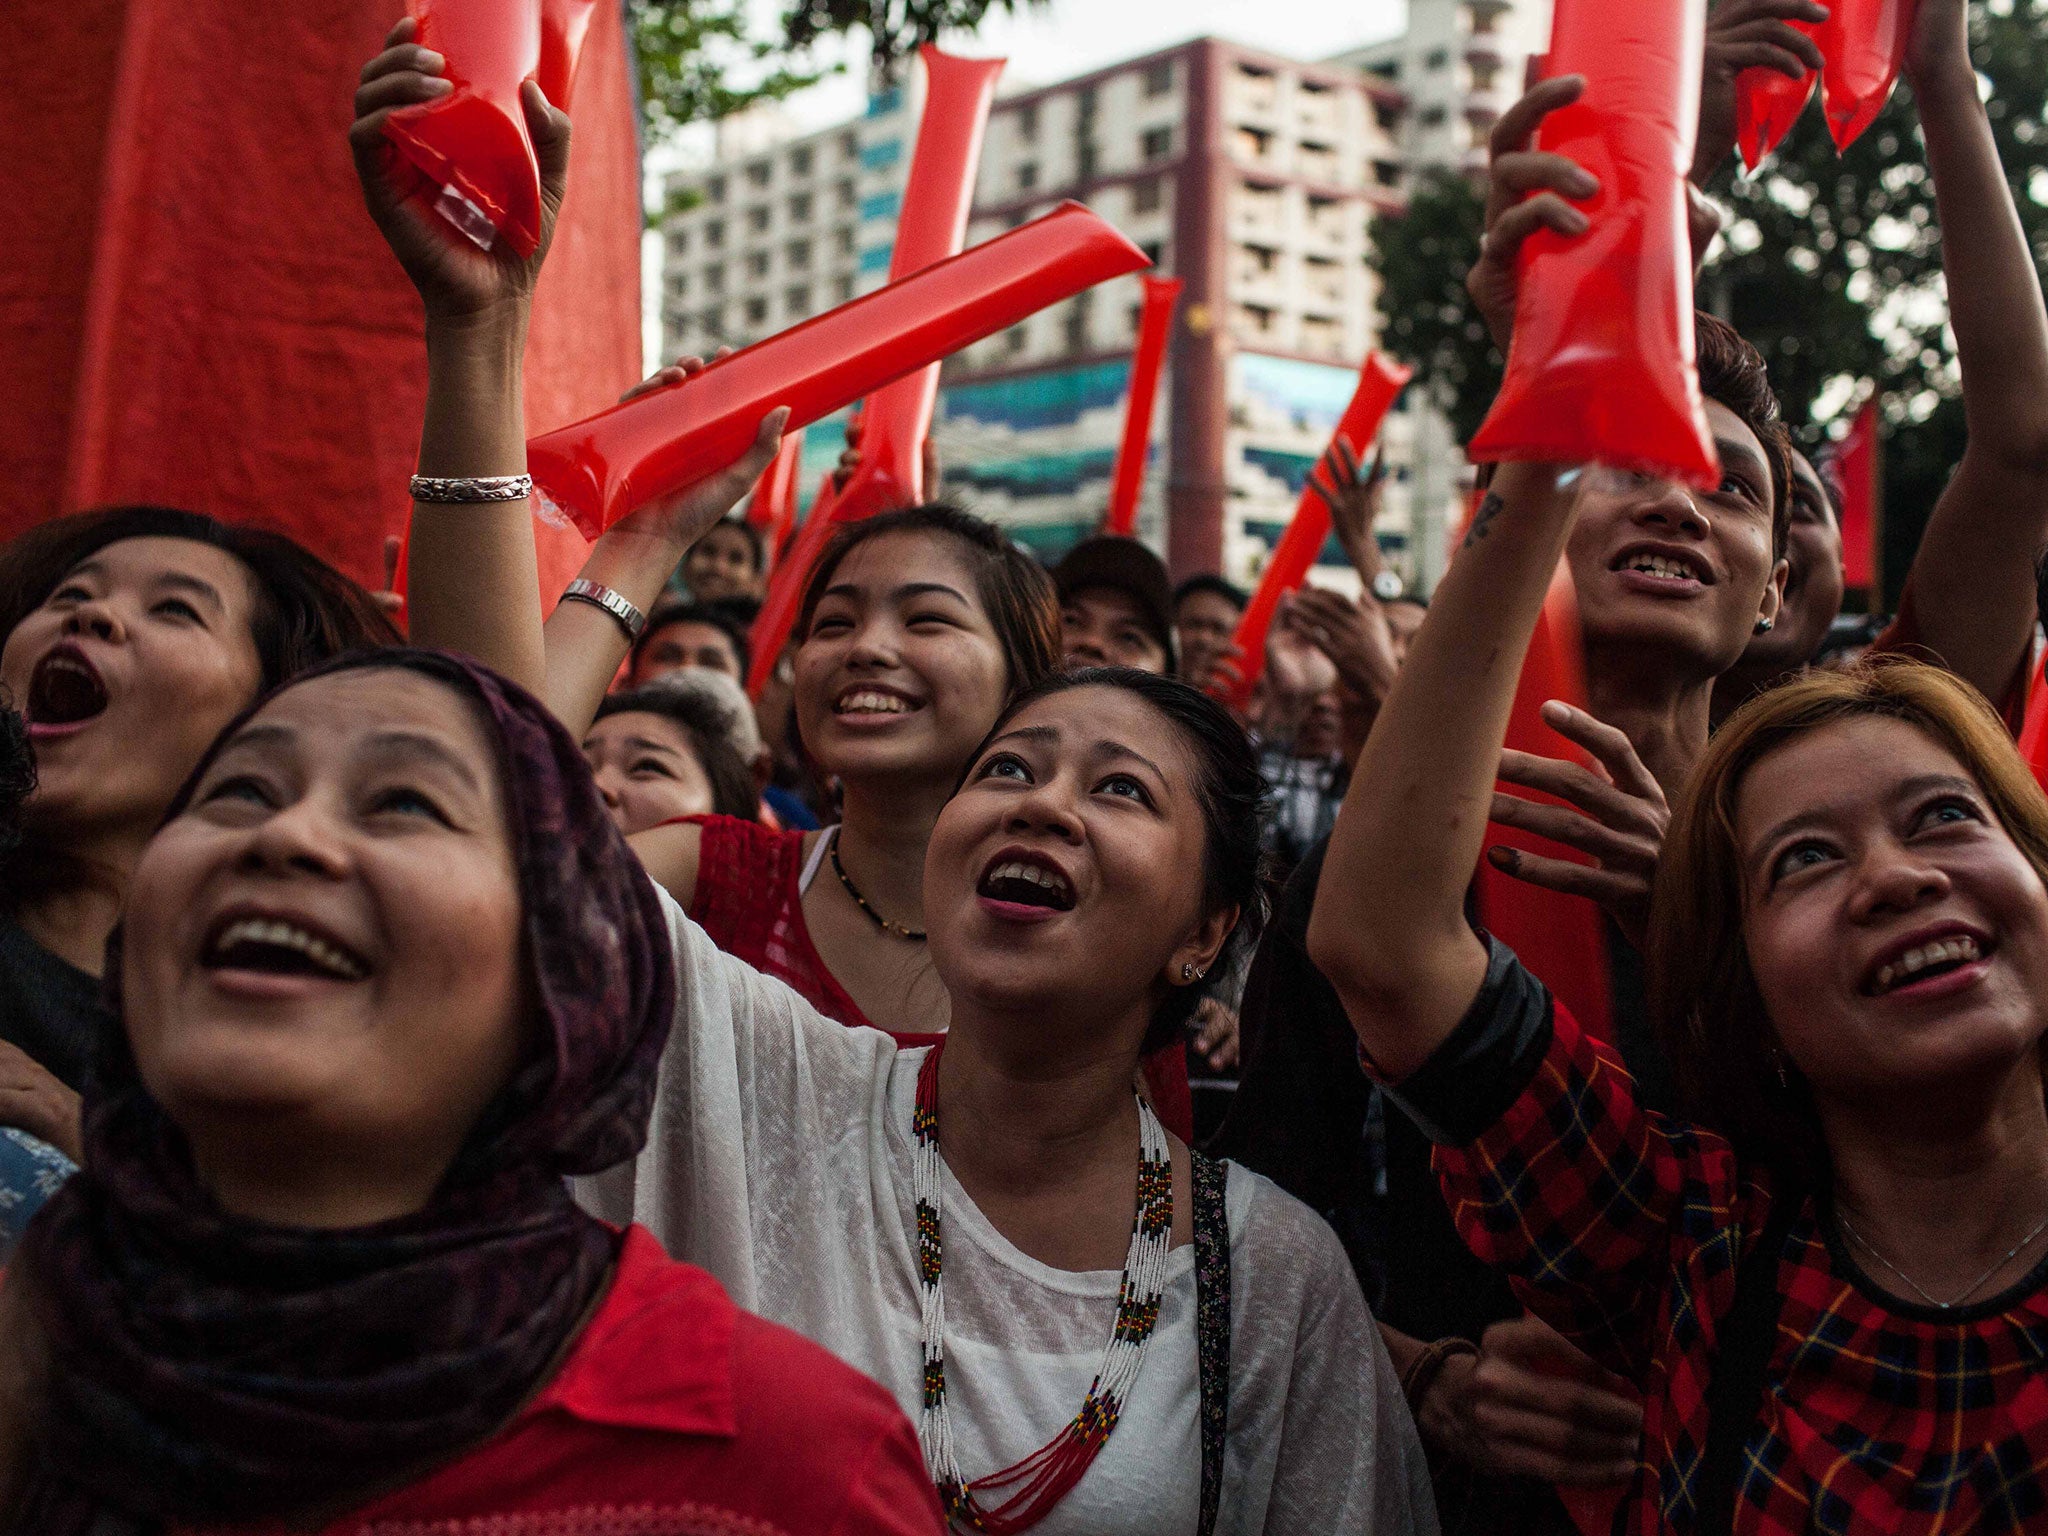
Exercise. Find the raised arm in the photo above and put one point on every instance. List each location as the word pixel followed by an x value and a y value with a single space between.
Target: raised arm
pixel 471 575
pixel 1389 927
pixel 1972 582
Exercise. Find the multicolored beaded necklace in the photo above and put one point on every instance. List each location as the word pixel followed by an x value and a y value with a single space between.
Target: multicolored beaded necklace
pixel 1038 1482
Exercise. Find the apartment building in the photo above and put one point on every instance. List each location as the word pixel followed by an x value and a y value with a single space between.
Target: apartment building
pixel 1251 177
pixel 1461 64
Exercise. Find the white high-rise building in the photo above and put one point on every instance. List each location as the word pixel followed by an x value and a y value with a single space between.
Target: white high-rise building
pixel 1253 178
pixel 1461 64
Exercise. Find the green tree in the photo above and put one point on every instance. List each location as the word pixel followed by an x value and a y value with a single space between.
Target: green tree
pixel 705 59
pixel 1831 265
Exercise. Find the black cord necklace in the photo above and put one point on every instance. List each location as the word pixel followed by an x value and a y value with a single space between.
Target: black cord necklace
pixel 915 935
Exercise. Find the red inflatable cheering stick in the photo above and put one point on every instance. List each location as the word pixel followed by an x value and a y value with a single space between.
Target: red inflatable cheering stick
pixel 1379 383
pixel 1155 330
pixel 1602 367
pixel 563 25
pixel 471 147
pixel 936 198
pixel 1862 44
pixel 772 509
pixel 1768 104
pixel 653 445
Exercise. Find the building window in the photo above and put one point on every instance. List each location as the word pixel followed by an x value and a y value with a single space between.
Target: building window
pixel 1016 339
pixel 1438 58
pixel 1257 318
pixel 796 302
pixel 679 243
pixel 679 285
pixel 849 146
pixel 846 194
pixel 757 174
pixel 714 320
pixel 1159 78
pixel 881 155
pixel 800 161
pixel 1386 173
pixel 1147 195
pixel 714 189
pixel 800 208
pixel 1155 252
pixel 843 289
pixel 798 253
pixel 1027 176
pixel 714 234
pixel 1027 120
pixel 1018 218
pixel 757 264
pixel 1157 143
pixel 843 241
pixel 1434 117
pixel 757 311
pixel 881 205
pixel 1254 143
pixel 757 219
pixel 714 279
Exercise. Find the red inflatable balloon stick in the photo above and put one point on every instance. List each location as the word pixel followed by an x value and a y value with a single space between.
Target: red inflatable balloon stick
pixel 772 509
pixel 471 146
pixel 1562 939
pixel 563 25
pixel 1379 383
pixel 1155 330
pixel 597 470
pixel 933 224
pixel 1862 46
pixel 1767 105
pixel 2034 730
pixel 771 627
pixel 1602 367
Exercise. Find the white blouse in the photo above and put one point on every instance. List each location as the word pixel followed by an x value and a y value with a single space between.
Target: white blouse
pixel 779 1158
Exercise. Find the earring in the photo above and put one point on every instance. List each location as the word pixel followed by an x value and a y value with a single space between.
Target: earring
pixel 1778 1061
pixel 1187 973
pixel 1765 626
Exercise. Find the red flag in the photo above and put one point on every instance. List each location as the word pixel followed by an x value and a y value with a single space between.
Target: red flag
pixel 1379 382
pixel 1155 329
pixel 936 197
pixel 1856 472
pixel 1562 939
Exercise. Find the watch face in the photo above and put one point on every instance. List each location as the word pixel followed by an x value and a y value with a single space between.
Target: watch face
pixel 1386 586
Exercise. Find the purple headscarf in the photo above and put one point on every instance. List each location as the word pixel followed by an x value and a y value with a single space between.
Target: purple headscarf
pixel 204 1367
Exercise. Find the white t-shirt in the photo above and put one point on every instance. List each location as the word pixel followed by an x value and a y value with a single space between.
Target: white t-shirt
pixel 779 1158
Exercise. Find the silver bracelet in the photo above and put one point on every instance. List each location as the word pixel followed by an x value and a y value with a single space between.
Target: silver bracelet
pixel 471 489
pixel 631 619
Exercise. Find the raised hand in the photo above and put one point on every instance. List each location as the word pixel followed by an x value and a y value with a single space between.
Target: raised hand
pixel 1354 503
pixel 1215 1040
pixel 1530 1404
pixel 1353 635
pixel 1747 34
pixel 1617 814
pixel 456 281
pixel 1527 189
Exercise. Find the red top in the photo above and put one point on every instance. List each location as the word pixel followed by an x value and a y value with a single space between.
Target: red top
pixel 1903 637
pixel 1619 1228
pixel 676 1414
pixel 750 899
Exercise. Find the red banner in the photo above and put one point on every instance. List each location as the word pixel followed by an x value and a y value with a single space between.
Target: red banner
pixel 1379 383
pixel 1148 358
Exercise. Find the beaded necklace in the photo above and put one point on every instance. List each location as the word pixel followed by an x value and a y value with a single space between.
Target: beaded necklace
pixel 1034 1485
pixel 901 930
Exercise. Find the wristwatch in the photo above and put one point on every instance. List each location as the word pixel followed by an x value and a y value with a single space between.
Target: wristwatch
pixel 1387 586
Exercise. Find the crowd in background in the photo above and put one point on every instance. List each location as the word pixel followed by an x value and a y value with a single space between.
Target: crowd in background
pixel 463 1065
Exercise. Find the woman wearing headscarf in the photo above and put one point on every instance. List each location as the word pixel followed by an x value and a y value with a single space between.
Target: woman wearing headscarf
pixel 387 977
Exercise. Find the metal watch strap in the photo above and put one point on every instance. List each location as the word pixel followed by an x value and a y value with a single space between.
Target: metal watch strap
pixel 629 618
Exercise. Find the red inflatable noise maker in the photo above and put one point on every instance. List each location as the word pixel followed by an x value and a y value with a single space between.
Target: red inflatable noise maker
pixel 1767 106
pixel 471 148
pixel 1602 367
pixel 1862 44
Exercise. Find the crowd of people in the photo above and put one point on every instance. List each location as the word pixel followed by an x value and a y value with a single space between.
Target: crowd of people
pixel 502 1075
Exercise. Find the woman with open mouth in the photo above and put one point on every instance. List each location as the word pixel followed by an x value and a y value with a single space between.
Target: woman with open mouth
pixel 128 639
pixel 387 976
pixel 1831 1281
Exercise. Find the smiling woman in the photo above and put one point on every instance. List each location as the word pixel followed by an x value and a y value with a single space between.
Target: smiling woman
pixel 388 976
pixel 1001 1232
pixel 131 637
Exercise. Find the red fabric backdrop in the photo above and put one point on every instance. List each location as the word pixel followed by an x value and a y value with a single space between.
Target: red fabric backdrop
pixel 194 307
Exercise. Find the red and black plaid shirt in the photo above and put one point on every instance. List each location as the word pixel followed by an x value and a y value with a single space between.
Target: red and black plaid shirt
pixel 1619 1227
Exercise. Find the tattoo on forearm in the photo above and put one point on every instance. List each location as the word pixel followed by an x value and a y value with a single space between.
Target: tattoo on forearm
pixel 1489 509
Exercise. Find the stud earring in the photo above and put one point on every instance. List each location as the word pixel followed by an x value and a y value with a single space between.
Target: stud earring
pixel 1765 626
pixel 1187 973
